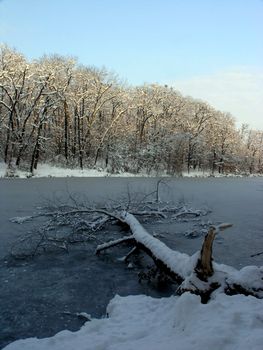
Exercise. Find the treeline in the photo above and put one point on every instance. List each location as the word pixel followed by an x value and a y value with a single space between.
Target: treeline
pixel 54 110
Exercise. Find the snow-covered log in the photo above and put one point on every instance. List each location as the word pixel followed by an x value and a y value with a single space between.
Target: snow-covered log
pixel 197 273
pixel 177 265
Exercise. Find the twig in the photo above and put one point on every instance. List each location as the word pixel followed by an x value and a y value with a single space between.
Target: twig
pixel 252 256
pixel 110 244
pixel 132 251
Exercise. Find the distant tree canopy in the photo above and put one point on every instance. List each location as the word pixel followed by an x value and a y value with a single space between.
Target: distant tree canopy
pixel 54 110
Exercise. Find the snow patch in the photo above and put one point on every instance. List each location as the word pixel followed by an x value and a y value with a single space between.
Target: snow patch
pixel 141 322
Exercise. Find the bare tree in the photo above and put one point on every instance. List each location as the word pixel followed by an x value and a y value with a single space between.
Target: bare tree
pixel 90 119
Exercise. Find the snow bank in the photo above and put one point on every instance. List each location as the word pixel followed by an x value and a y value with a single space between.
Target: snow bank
pixel 196 173
pixel 46 170
pixel 182 323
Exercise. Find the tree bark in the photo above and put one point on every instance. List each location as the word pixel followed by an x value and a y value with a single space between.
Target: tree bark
pixel 204 268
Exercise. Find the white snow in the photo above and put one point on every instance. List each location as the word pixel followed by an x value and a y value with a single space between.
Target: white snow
pixel 196 173
pixel 181 323
pixel 249 277
pixel 182 263
pixel 47 170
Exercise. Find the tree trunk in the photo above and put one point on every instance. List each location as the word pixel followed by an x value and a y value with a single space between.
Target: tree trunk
pixel 197 273
pixel 10 130
pixel 204 268
pixel 66 133
pixel 80 142
pixel 36 150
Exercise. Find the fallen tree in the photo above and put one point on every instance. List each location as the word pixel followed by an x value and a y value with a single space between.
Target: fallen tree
pixel 198 273
pixel 76 222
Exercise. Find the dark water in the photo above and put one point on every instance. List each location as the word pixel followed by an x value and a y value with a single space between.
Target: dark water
pixel 39 297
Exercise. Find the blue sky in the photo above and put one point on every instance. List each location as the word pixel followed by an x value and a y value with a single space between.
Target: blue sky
pixel 210 49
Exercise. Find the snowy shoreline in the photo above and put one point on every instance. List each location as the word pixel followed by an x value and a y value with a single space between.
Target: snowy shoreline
pixel 47 170
pixel 142 322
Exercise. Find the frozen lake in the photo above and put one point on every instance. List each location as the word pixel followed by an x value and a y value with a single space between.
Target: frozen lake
pixel 235 200
pixel 35 295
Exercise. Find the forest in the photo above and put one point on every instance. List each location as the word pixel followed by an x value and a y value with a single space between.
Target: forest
pixel 54 110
